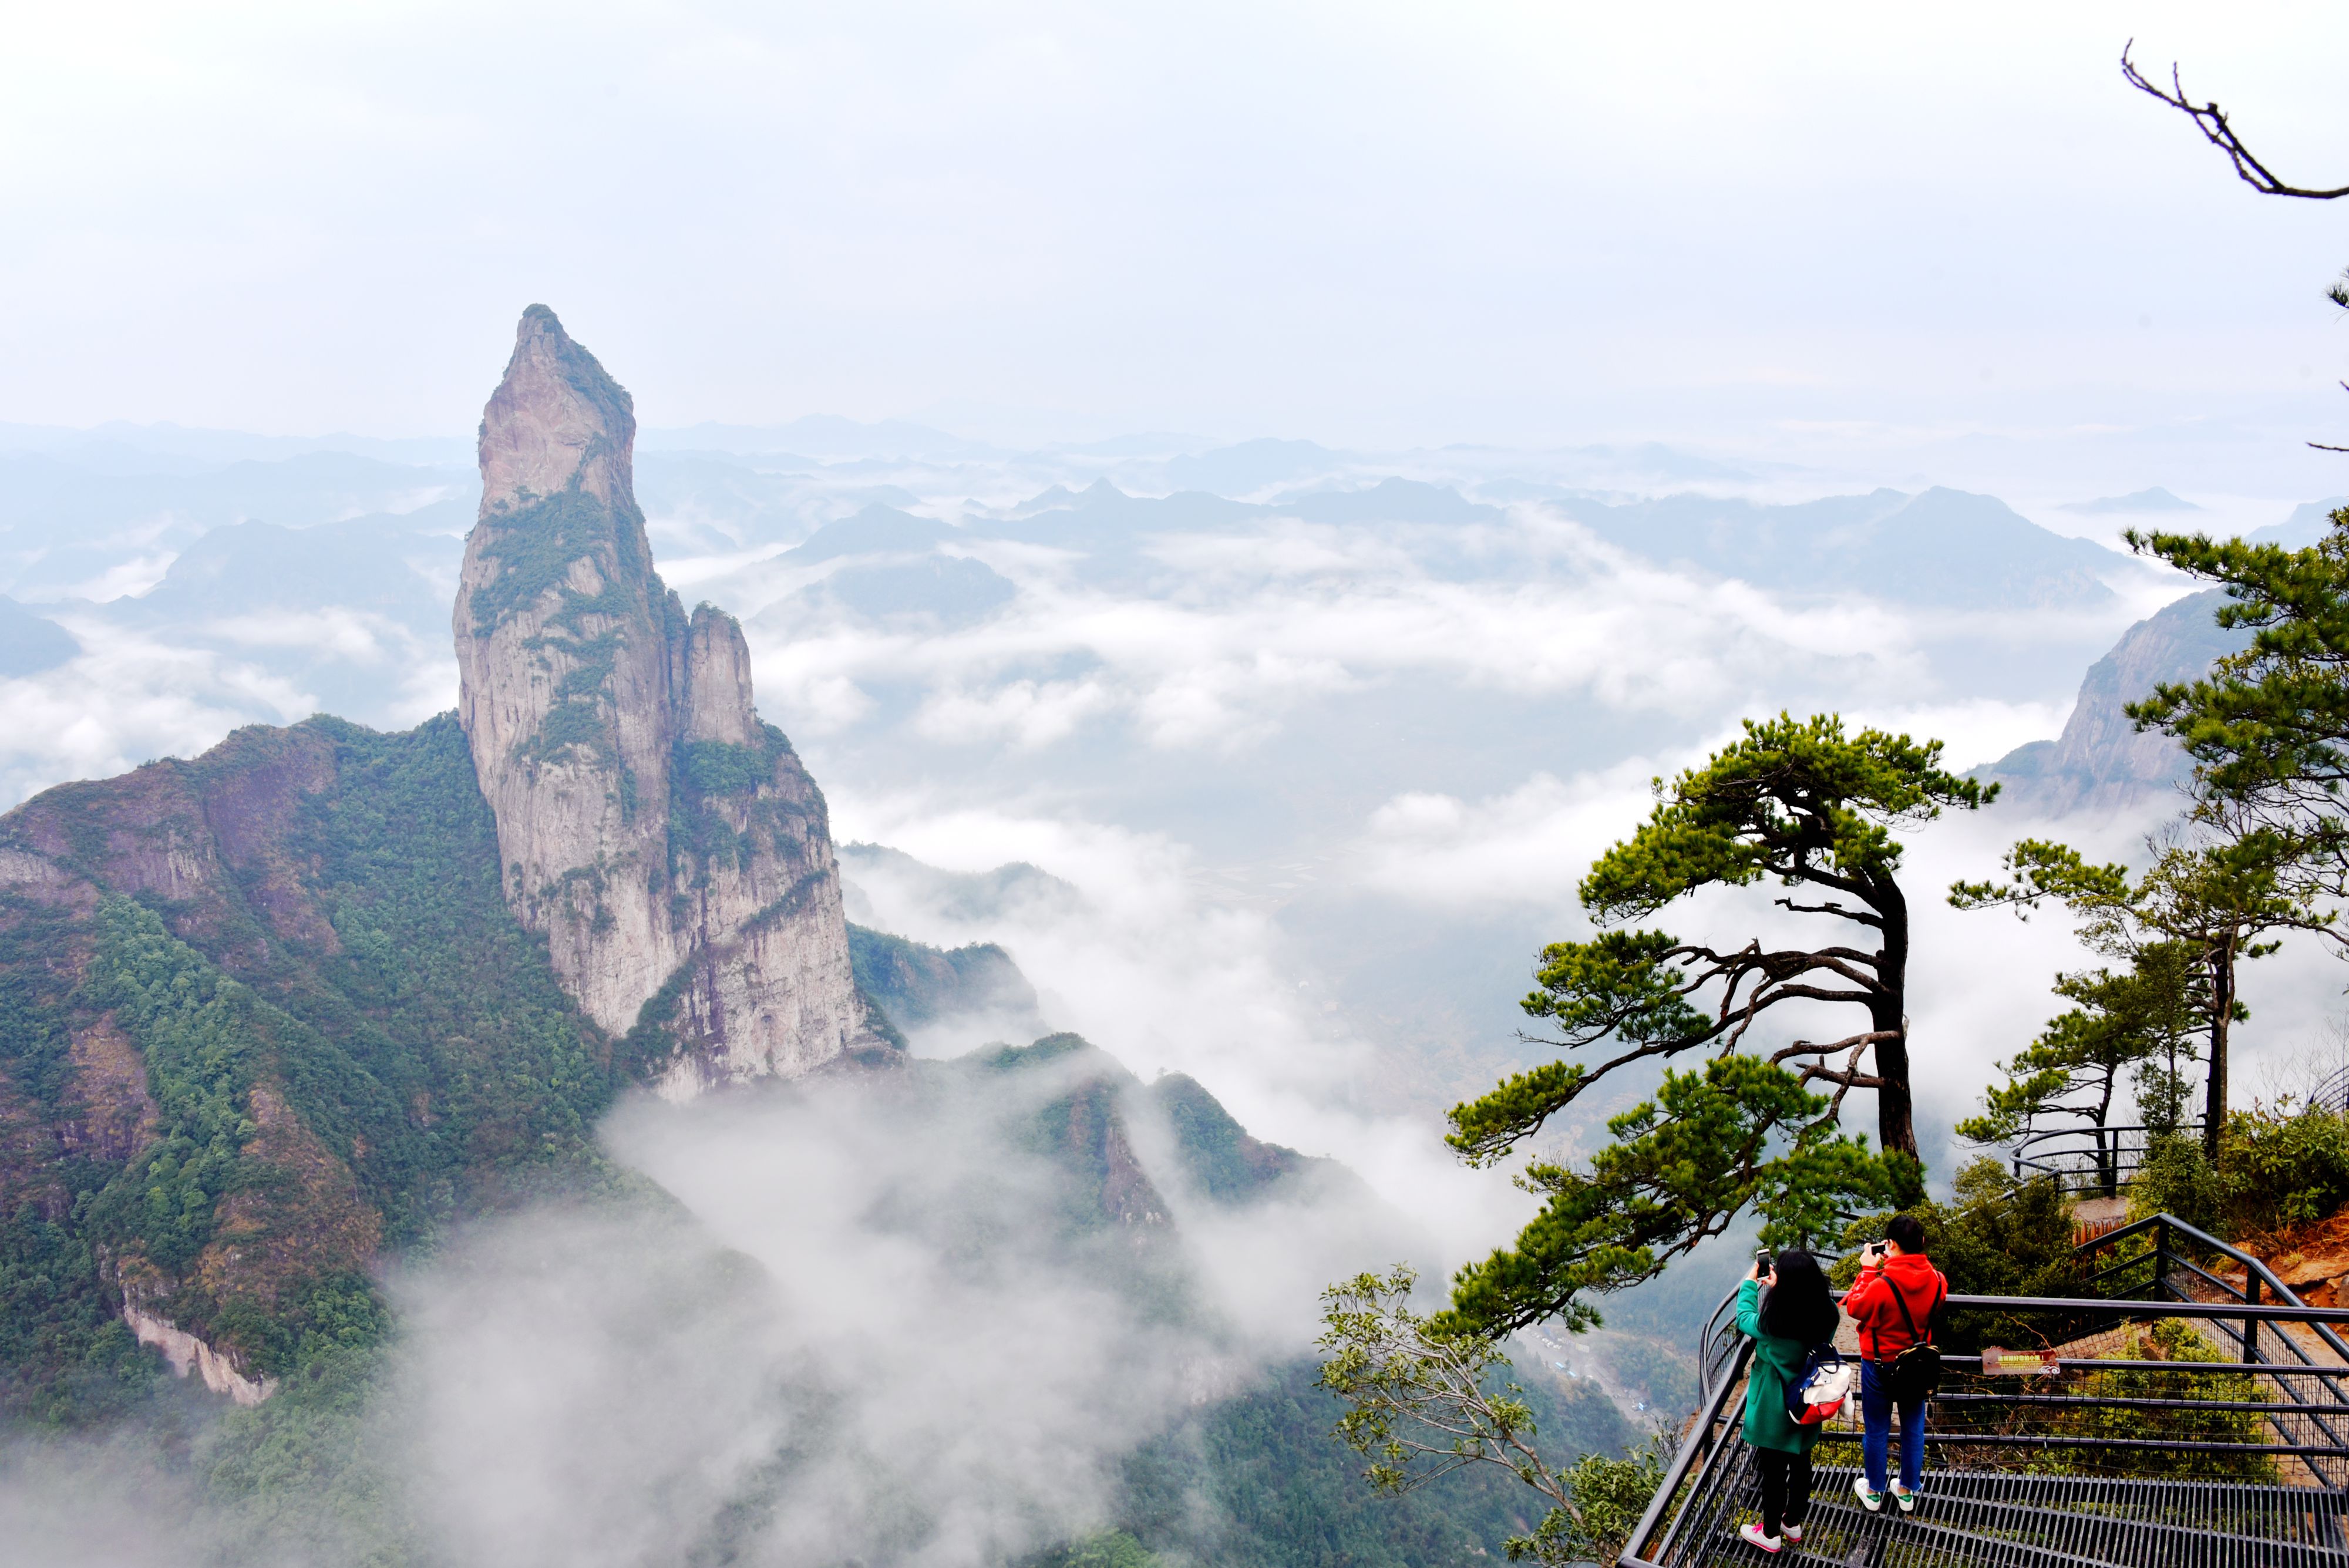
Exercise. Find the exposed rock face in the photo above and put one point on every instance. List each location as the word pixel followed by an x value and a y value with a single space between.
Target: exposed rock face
pixel 186 1353
pixel 2102 762
pixel 669 843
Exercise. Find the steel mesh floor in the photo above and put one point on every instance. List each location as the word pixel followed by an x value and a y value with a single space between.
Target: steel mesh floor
pixel 2010 1520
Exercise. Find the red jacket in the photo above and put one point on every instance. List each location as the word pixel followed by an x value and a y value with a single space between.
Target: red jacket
pixel 1882 1331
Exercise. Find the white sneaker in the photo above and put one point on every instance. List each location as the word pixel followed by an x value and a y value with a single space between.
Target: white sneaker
pixel 1793 1532
pixel 1907 1499
pixel 1871 1501
pixel 1752 1535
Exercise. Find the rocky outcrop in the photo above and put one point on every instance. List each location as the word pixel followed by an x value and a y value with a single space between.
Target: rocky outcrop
pixel 2102 761
pixel 185 1353
pixel 667 842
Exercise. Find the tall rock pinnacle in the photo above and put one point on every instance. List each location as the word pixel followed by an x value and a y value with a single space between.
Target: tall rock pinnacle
pixel 667 842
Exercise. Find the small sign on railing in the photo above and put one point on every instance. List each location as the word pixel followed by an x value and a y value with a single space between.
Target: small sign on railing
pixel 1997 1363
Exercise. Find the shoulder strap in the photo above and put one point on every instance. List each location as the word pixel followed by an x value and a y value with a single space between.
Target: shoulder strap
pixel 1940 1295
pixel 1900 1299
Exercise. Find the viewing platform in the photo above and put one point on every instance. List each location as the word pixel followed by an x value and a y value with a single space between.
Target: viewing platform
pixel 2188 1409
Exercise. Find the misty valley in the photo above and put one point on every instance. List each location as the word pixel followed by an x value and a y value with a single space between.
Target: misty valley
pixel 840 993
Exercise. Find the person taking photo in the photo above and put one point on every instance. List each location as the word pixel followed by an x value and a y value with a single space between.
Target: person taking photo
pixel 1893 1302
pixel 1788 1311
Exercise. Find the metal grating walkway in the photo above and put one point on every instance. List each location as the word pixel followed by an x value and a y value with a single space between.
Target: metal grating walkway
pixel 2012 1521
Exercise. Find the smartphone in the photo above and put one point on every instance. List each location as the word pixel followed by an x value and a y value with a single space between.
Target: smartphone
pixel 1763 1262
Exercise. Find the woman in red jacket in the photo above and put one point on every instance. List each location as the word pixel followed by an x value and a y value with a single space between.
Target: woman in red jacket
pixel 1898 1264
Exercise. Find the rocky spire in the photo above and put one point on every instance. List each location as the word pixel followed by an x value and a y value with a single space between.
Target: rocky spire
pixel 667 842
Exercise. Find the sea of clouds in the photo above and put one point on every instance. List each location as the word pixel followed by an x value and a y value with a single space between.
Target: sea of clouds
pixel 1286 806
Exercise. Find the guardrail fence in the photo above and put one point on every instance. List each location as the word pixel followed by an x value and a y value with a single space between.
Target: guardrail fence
pixel 2186 1408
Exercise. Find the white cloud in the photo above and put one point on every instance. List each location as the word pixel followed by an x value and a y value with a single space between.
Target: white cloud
pixel 1532 845
pixel 126 699
pixel 359 635
pixel 1021 713
pixel 130 577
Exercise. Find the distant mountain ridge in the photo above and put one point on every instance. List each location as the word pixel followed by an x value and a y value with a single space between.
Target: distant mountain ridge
pixel 2102 762
pixel 2310 522
pixel 1940 548
pixel 2154 500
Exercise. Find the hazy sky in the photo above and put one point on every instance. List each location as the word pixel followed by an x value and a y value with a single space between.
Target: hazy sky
pixel 1353 222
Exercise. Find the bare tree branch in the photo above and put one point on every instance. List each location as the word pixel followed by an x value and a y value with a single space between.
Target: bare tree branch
pixel 2211 122
pixel 1863 918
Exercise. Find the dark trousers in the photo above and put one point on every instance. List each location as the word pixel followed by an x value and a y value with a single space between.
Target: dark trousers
pixel 1876 1409
pixel 1785 1488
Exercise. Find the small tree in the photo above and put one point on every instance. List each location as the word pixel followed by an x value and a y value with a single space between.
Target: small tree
pixel 2142 1019
pixel 2214 901
pixel 1423 1403
pixel 1803 804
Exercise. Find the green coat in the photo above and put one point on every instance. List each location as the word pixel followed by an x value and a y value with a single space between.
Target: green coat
pixel 1776 1362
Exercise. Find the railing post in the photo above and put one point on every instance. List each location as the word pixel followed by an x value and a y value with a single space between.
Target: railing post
pixel 2250 1324
pixel 2160 1256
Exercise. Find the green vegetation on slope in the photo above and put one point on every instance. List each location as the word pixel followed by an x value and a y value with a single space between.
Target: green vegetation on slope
pixel 423 1048
pixel 1278 1489
pixel 914 982
pixel 438 991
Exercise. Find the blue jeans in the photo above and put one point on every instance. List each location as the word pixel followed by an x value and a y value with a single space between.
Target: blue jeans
pixel 1875 1410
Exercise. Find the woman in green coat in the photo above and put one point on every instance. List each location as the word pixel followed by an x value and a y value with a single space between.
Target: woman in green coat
pixel 1786 1312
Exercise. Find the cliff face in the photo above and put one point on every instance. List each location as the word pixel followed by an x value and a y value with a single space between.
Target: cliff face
pixel 2102 763
pixel 667 843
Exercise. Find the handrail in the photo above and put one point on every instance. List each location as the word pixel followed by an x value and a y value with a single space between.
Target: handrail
pixel 1652 1538
pixel 2172 1307
pixel 2090 1157
pixel 2283 1305
pixel 2291 1311
pixel 2331 1092
pixel 1699 1438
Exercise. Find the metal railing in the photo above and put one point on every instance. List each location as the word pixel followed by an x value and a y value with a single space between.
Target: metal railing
pixel 2317 1358
pixel 2092 1162
pixel 2332 1094
pixel 2129 1448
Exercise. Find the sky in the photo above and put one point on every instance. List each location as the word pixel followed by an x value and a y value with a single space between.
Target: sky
pixel 1842 228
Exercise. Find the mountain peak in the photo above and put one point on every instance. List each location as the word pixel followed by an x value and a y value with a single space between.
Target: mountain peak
pixel 557 422
pixel 669 844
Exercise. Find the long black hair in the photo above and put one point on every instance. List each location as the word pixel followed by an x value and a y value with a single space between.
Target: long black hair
pixel 1798 1306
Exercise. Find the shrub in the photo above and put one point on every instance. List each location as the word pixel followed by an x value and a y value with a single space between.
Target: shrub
pixel 2176 1178
pixel 2275 1171
pixel 2278 1171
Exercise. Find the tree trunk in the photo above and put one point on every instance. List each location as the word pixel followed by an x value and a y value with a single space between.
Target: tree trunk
pixel 2108 1146
pixel 1896 1117
pixel 2222 1014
